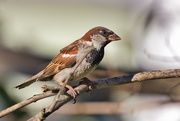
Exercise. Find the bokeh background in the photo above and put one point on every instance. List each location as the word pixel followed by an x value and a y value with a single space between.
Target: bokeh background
pixel 33 31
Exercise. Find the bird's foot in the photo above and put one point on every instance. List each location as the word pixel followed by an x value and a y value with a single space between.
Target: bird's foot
pixel 88 82
pixel 73 92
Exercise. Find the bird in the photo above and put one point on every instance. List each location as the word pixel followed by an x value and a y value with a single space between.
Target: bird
pixel 77 60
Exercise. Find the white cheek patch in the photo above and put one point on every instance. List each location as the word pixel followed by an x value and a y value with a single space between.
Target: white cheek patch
pixel 68 55
pixel 89 43
pixel 98 41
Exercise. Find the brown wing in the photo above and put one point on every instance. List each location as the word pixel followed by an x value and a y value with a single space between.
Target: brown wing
pixel 65 59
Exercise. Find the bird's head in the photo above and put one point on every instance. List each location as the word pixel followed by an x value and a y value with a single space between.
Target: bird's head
pixel 100 37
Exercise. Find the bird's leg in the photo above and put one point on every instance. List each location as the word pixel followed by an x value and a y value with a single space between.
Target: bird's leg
pixel 73 92
pixel 61 92
pixel 88 82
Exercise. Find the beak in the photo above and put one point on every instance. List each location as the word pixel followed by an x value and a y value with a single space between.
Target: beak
pixel 113 37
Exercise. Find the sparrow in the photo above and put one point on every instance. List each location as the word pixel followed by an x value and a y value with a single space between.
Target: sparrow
pixel 80 57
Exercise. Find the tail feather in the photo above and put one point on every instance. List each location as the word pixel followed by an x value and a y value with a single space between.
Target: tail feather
pixel 30 80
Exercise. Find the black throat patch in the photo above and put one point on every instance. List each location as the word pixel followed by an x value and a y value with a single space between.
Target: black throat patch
pixel 95 56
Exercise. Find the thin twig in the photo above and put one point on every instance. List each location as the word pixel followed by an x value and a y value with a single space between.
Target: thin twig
pixel 26 102
pixel 46 88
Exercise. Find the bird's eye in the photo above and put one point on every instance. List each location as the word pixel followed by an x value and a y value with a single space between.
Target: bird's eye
pixel 104 33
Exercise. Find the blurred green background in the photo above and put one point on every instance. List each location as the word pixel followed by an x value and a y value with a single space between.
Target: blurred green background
pixel 33 31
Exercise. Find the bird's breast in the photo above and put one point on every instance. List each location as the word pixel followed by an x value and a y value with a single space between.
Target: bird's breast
pixel 89 64
pixel 86 66
pixel 95 56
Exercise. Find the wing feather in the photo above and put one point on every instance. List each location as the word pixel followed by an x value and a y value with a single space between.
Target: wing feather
pixel 61 61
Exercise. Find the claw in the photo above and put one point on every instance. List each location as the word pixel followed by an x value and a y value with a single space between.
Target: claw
pixel 74 93
pixel 88 82
pixel 74 100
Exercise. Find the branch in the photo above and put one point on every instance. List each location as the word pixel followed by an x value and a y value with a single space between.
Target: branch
pixel 26 102
pixel 103 83
pixel 158 74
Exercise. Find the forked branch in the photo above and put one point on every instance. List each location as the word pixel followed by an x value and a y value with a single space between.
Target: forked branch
pixel 103 83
